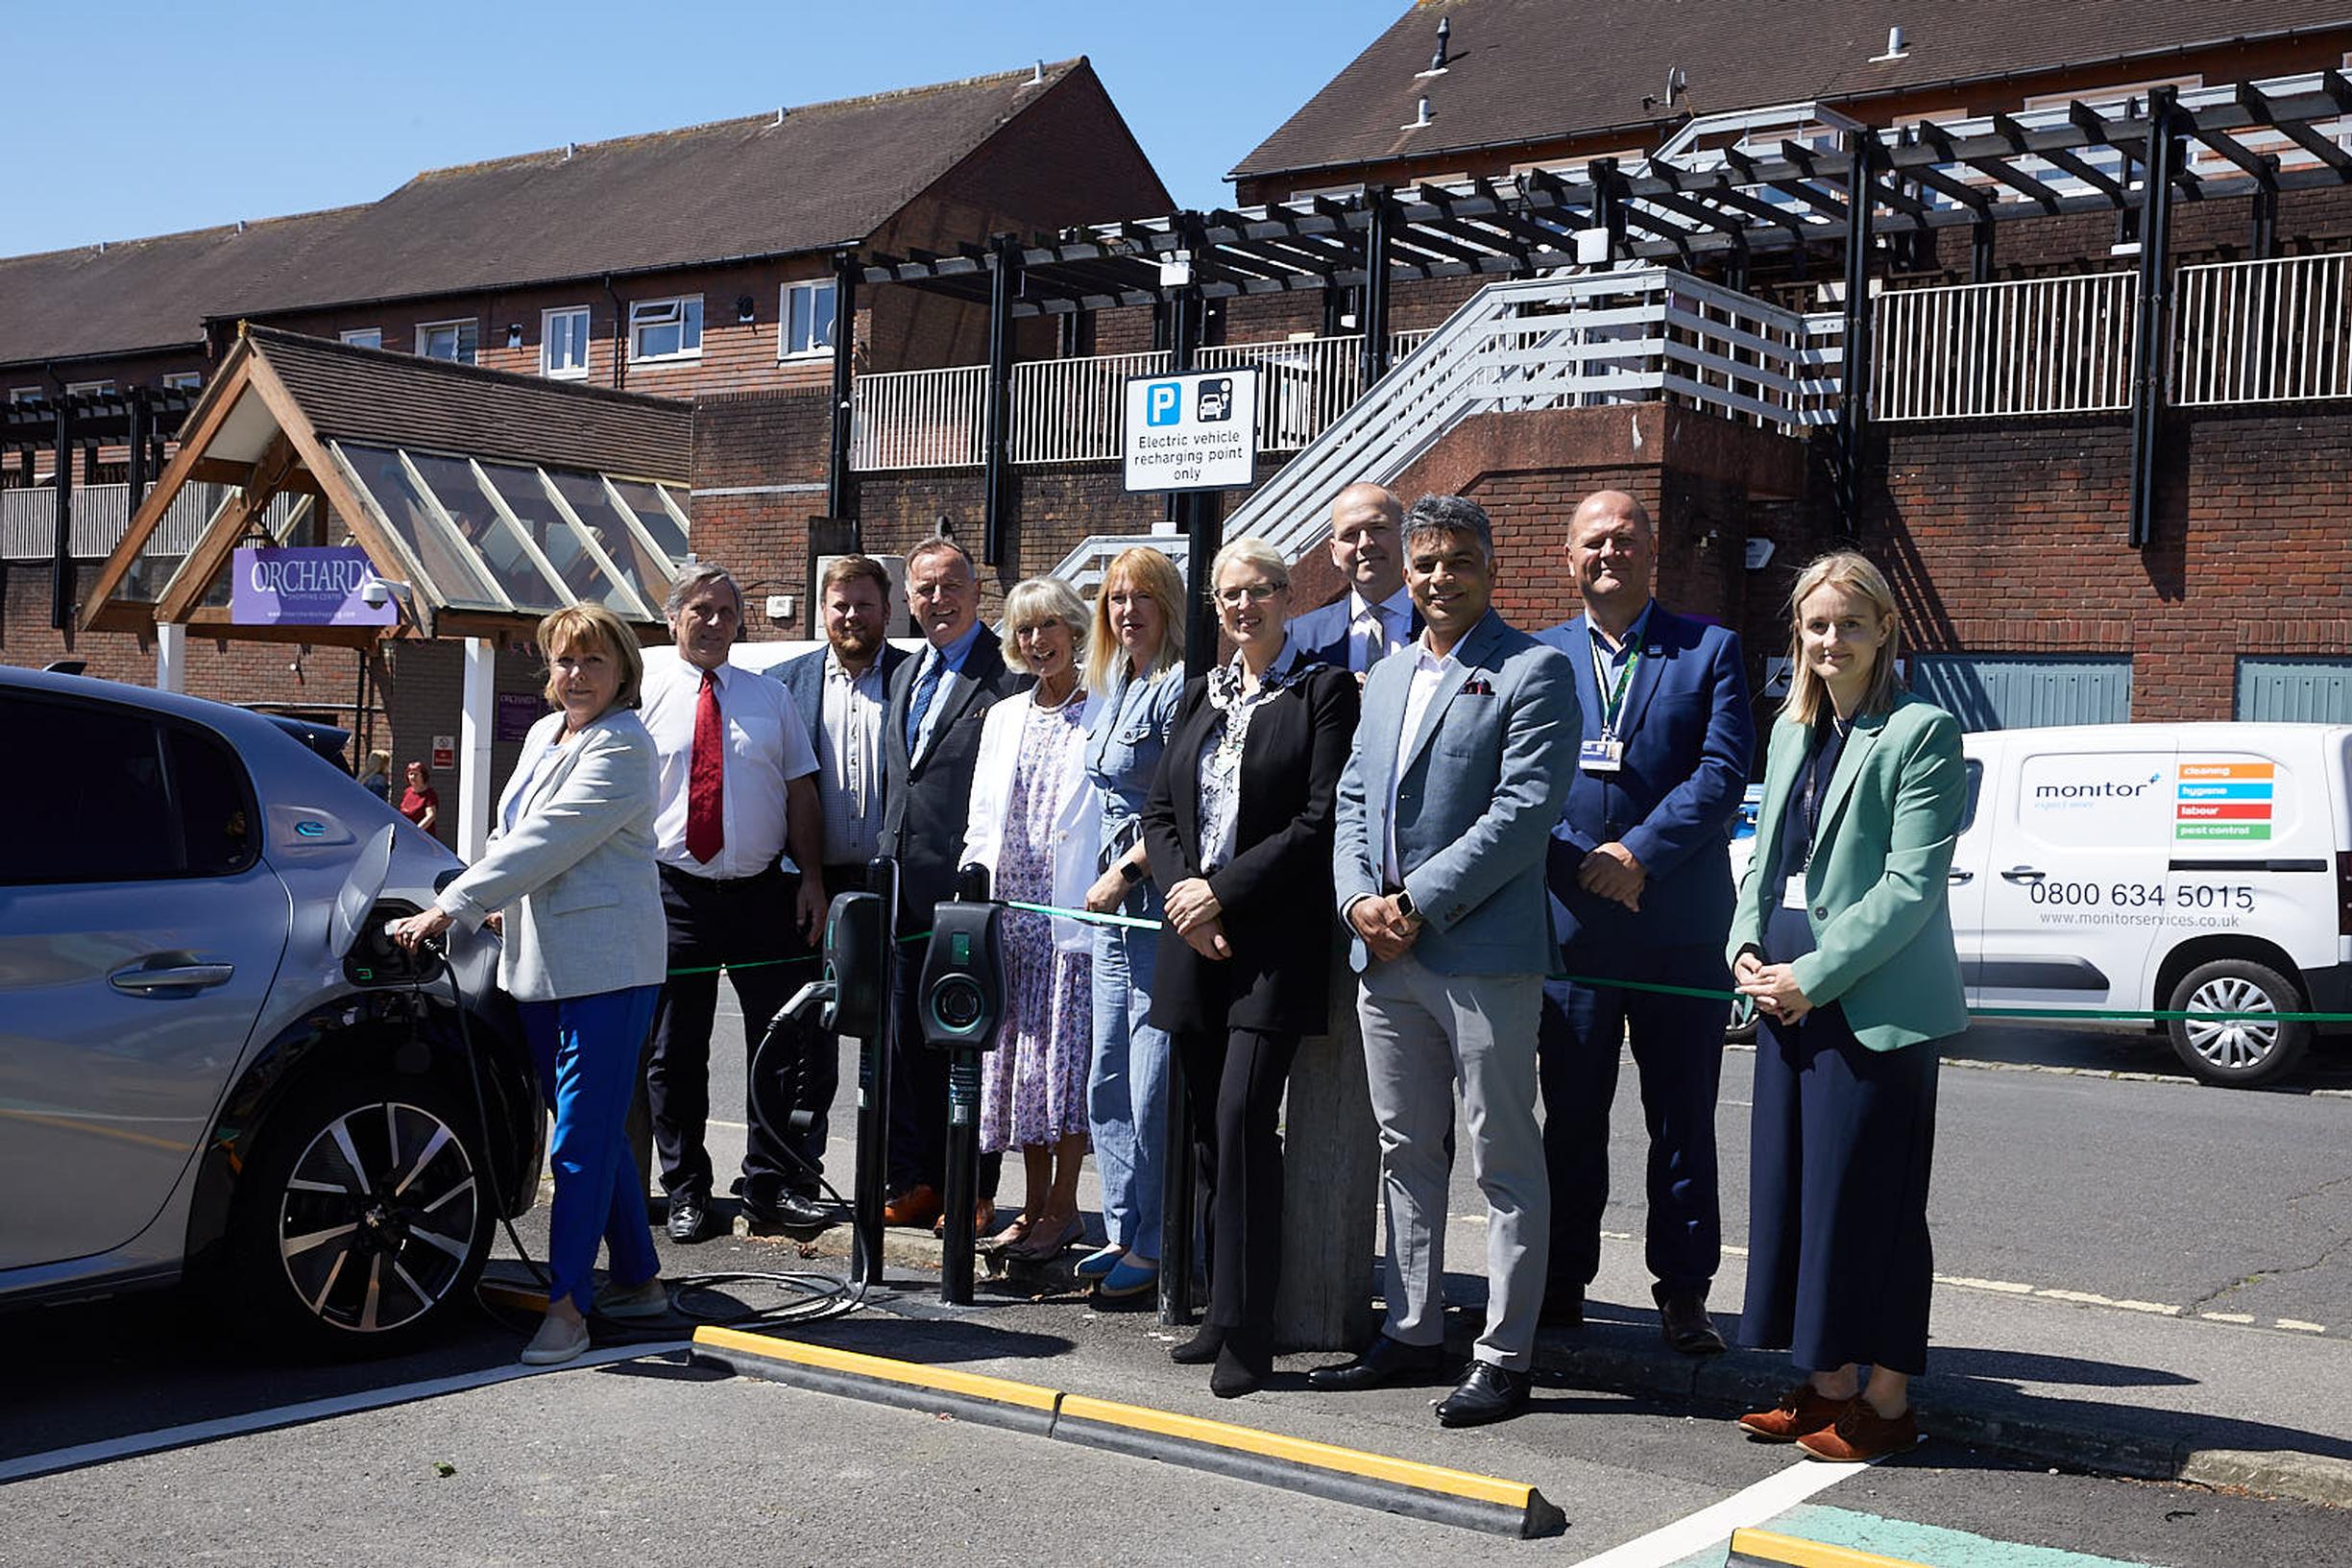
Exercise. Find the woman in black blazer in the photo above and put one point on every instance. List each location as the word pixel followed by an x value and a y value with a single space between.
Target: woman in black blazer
pixel 1238 829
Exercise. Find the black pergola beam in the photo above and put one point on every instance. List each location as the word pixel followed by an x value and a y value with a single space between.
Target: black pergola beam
pixel 2152 309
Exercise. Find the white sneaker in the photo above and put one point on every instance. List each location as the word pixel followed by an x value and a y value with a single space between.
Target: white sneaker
pixel 557 1341
pixel 650 1299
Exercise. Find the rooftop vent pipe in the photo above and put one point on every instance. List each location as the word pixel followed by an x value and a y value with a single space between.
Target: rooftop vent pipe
pixel 1421 118
pixel 1036 77
pixel 1445 30
pixel 1893 46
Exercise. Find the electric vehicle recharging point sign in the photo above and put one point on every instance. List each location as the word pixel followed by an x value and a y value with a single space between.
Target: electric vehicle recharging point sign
pixel 1198 430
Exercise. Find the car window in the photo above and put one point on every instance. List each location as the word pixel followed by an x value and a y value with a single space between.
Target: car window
pixel 108 794
pixel 1976 787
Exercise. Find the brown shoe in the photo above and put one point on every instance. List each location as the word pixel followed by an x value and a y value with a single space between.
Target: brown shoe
pixel 917 1205
pixel 1861 1434
pixel 983 1222
pixel 1799 1411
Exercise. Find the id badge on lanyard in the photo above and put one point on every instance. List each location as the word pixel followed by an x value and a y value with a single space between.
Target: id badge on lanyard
pixel 1605 754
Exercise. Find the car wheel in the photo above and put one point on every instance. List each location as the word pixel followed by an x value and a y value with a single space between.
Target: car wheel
pixel 362 1216
pixel 1740 1028
pixel 2236 1053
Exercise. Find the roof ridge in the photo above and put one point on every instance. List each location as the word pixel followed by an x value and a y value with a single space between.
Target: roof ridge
pixel 1053 71
pixel 261 335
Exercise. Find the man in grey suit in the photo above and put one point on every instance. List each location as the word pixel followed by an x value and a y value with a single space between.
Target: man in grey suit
pixel 1461 761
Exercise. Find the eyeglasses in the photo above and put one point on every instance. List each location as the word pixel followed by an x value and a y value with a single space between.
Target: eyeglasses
pixel 1233 598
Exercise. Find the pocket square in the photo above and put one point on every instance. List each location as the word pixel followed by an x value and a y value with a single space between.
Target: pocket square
pixel 1478 686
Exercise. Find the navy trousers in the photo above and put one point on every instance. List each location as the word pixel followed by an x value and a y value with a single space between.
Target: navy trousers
pixel 1677 1055
pixel 1839 1264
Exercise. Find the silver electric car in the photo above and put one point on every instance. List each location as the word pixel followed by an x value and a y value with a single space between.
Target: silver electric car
pixel 213 1067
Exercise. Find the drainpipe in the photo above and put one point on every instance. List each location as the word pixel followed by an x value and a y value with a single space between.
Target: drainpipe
pixel 620 336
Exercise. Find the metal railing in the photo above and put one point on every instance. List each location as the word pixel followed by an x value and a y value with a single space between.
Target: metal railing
pixel 1303 384
pixel 919 419
pixel 102 515
pixel 2263 331
pixel 1979 351
pixel 1070 410
pixel 1083 566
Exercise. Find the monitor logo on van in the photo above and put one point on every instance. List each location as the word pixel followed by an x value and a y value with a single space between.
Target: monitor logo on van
pixel 2105 789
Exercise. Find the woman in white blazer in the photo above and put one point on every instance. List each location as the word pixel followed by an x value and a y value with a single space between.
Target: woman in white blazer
pixel 1035 823
pixel 570 872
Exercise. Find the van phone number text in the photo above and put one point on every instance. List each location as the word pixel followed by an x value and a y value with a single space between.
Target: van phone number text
pixel 2140 895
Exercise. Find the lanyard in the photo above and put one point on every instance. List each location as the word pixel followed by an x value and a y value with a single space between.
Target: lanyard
pixel 1612 701
pixel 1819 768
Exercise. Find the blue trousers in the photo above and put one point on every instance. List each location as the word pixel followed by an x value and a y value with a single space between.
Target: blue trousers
pixel 1677 1055
pixel 586 1050
pixel 1127 1087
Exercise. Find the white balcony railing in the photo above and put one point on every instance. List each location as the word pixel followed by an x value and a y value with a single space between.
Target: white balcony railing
pixel 1977 350
pixel 919 419
pixel 1071 410
pixel 102 514
pixel 2263 331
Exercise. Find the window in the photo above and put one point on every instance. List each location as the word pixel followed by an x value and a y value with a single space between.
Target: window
pixel 665 328
pixel 89 388
pixel 563 342
pixel 115 818
pixel 805 324
pixel 456 341
pixel 183 380
pixel 365 337
pixel 24 395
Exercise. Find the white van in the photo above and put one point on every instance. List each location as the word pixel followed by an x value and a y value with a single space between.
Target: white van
pixel 2143 867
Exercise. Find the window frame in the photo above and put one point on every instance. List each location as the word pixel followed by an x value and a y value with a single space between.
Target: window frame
pixel 183 381
pixel 21 396
pixel 458 324
pixel 91 389
pixel 639 321
pixel 815 287
pixel 547 319
pixel 364 337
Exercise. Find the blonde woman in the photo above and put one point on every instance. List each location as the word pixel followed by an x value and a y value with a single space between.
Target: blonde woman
pixel 1843 937
pixel 569 868
pixel 376 775
pixel 1135 659
pixel 1034 824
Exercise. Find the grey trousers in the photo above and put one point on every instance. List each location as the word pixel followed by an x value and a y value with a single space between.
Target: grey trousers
pixel 1422 1033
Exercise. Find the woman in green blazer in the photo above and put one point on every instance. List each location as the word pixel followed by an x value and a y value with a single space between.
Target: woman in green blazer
pixel 1843 937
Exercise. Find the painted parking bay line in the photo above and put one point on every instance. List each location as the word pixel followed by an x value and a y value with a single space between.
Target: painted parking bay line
pixel 1816 1536
pixel 1712 1526
pixel 132 1444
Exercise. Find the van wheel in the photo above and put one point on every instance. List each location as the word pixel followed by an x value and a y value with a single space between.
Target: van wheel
pixel 1740 1028
pixel 2236 1054
pixel 361 1218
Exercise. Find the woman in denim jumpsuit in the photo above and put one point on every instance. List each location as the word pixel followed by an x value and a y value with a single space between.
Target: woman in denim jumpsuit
pixel 1136 660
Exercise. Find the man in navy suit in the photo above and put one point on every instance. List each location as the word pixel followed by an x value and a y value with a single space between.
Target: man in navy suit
pixel 842 692
pixel 1640 882
pixel 1376 616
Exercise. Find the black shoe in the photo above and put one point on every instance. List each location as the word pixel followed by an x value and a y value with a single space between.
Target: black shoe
pixel 790 1212
pixel 1237 1372
pixel 1383 1362
pixel 1489 1393
pixel 1201 1349
pixel 1563 1307
pixel 1683 1324
pixel 688 1220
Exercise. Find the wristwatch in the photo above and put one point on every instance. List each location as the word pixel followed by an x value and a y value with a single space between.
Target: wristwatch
pixel 1132 872
pixel 1405 906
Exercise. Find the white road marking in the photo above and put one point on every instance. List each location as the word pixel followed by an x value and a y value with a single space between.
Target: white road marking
pixel 1712 1526
pixel 2301 1327
pixel 2229 1317
pixel 136 1444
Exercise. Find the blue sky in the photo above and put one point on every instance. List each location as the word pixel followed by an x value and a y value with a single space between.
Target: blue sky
pixel 172 117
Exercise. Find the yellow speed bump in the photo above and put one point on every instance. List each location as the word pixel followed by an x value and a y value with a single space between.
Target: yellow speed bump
pixel 1024 1406
pixel 1765 1549
pixel 1426 1492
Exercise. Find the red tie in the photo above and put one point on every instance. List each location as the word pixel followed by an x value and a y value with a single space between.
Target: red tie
pixel 706 781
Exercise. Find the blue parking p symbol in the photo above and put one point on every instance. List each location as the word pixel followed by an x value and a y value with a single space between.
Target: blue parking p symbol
pixel 1163 403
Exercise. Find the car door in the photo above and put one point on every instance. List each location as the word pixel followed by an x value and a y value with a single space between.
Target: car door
pixel 139 935
pixel 2075 887
pixel 1972 856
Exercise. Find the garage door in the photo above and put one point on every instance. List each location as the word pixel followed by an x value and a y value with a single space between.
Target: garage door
pixel 2296 690
pixel 2000 691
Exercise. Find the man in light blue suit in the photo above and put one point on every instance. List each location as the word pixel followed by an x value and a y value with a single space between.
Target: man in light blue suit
pixel 1461 761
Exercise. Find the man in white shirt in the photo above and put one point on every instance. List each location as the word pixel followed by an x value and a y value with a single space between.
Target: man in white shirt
pixel 738 781
pixel 1376 616
pixel 841 693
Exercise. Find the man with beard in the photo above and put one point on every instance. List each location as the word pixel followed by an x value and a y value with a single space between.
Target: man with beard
pixel 842 691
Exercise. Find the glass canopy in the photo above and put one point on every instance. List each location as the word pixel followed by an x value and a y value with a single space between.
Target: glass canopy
pixel 501 537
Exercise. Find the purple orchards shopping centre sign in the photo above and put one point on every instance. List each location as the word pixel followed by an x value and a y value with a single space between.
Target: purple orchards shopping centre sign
pixel 306 586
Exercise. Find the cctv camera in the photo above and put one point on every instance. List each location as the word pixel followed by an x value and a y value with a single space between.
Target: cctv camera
pixel 373 591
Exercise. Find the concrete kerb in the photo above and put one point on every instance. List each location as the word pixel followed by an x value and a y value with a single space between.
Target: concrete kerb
pixel 1727 1385
pixel 1375 1480
pixel 1958 1413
